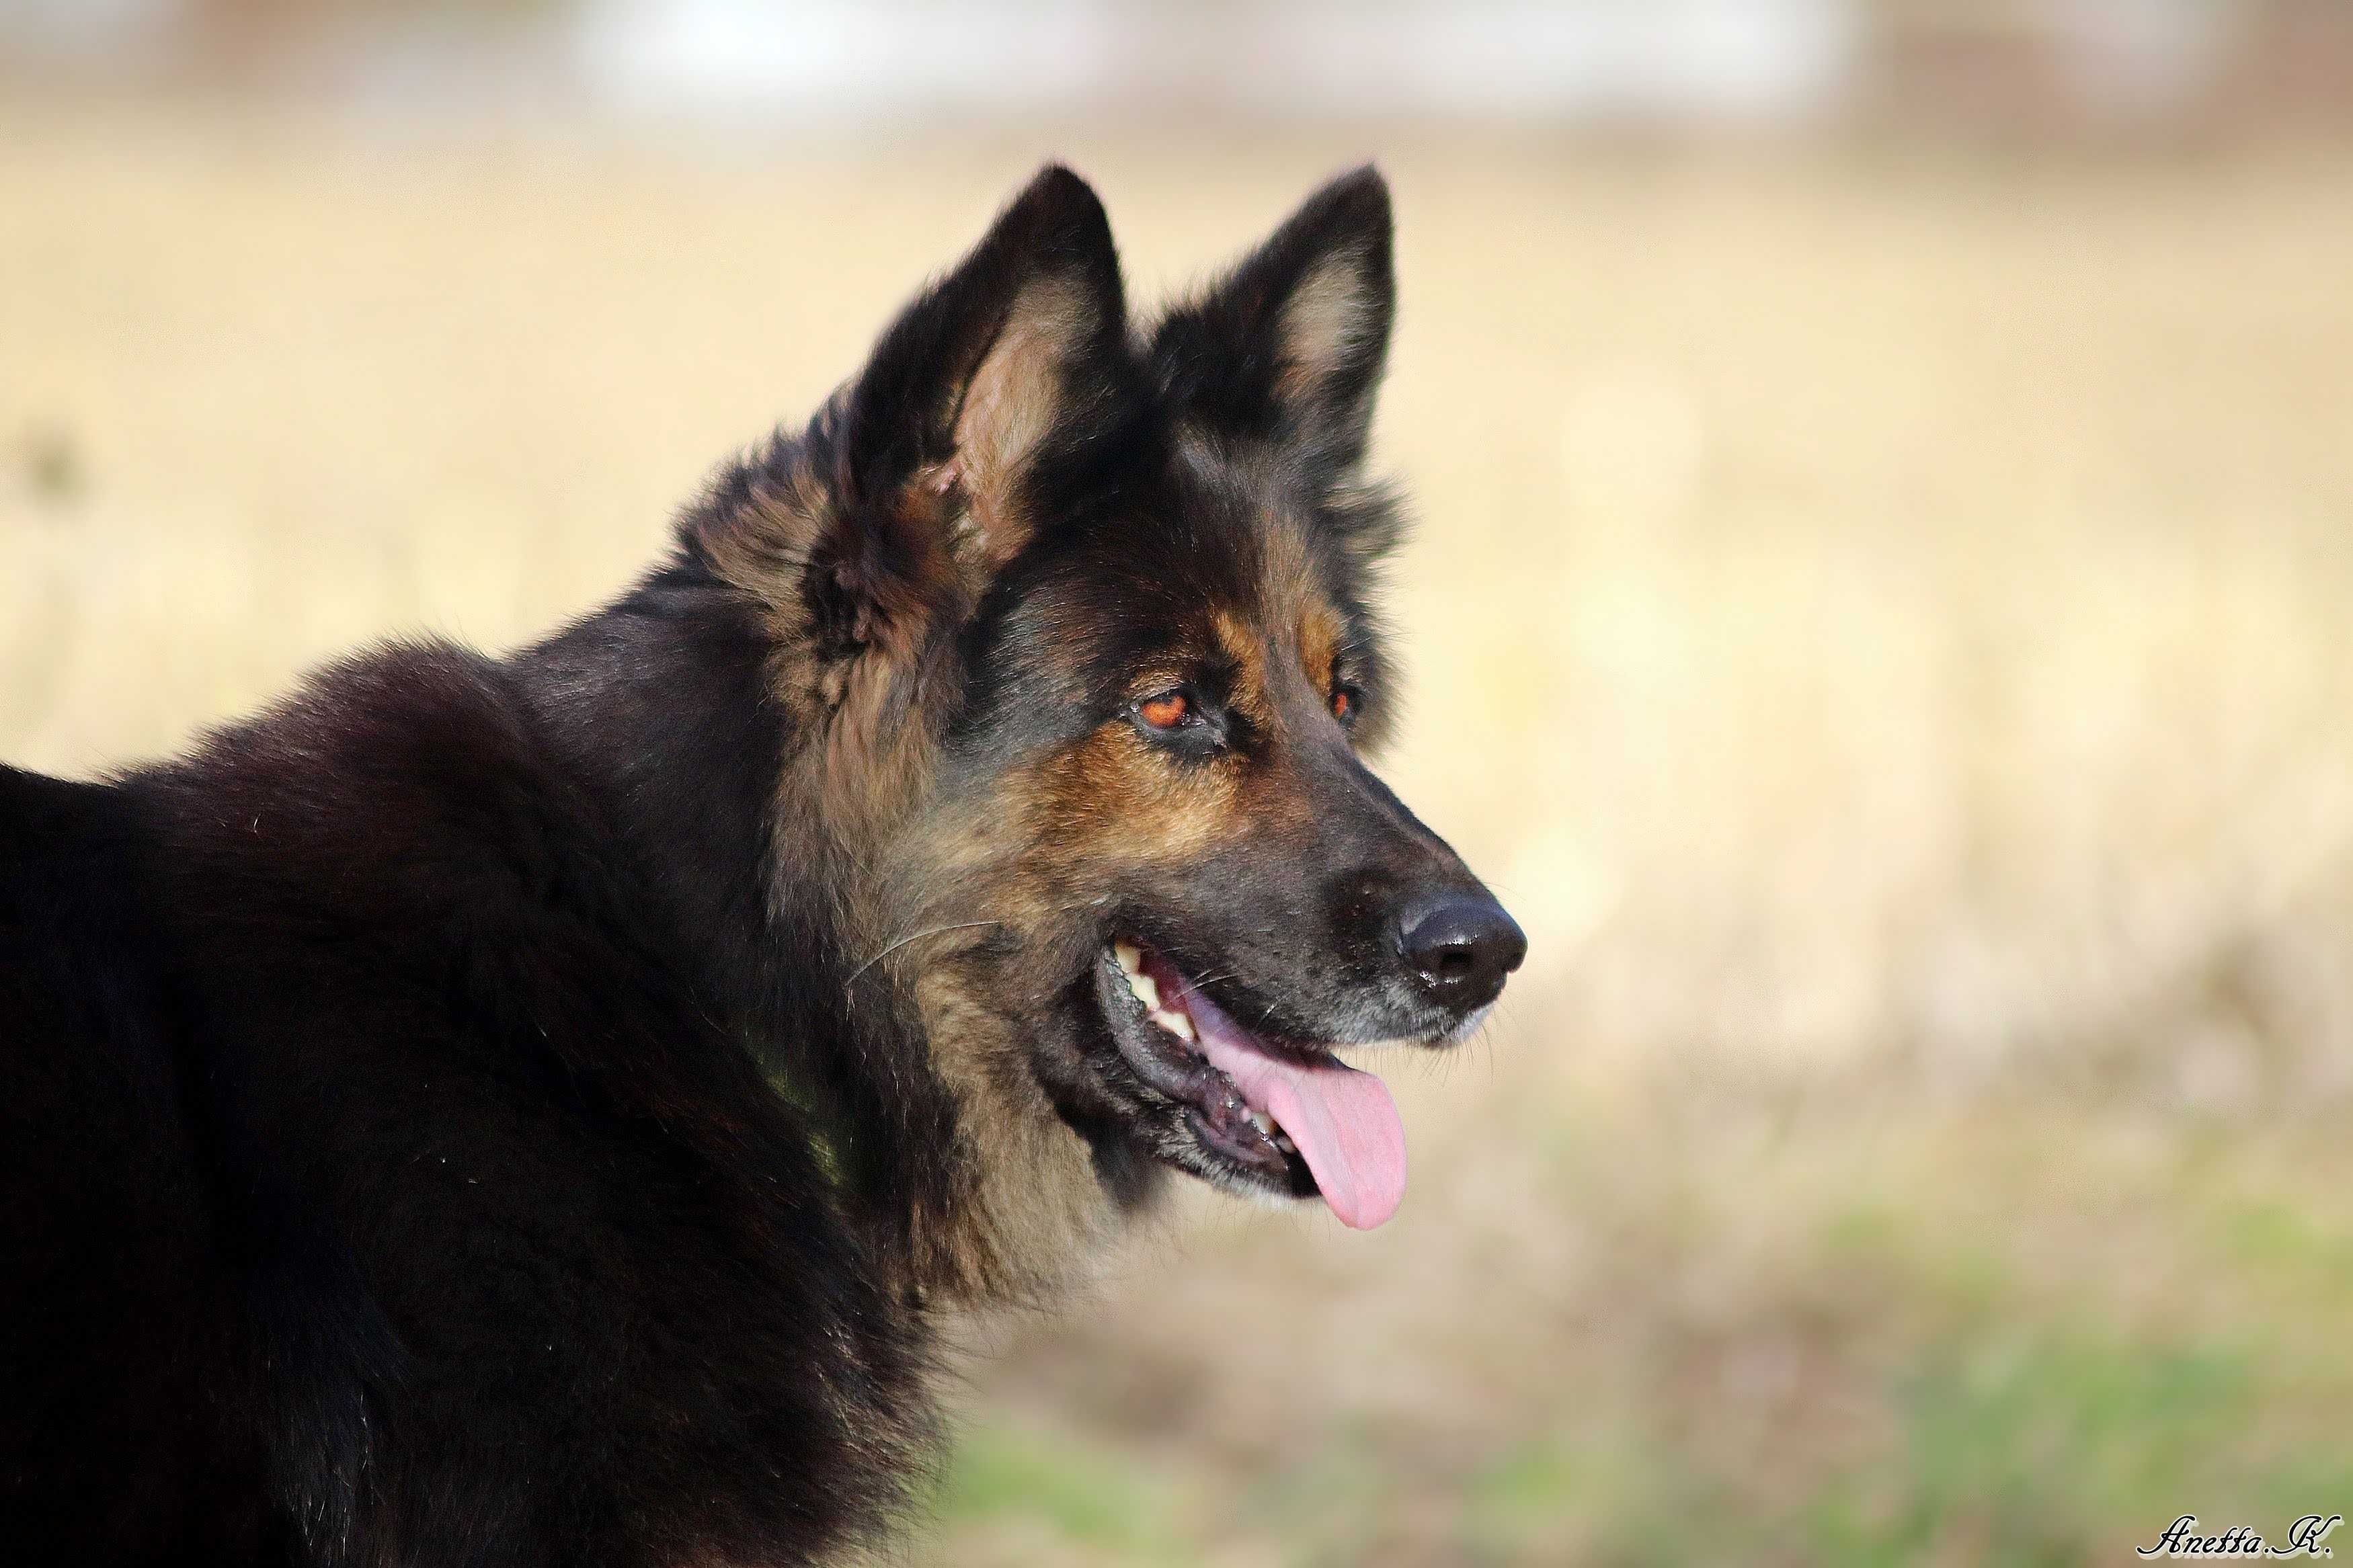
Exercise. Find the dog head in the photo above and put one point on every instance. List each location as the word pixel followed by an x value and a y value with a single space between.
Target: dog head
pixel 1081 641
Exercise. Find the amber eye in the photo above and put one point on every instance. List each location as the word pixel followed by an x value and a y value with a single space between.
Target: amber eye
pixel 1169 711
pixel 1345 701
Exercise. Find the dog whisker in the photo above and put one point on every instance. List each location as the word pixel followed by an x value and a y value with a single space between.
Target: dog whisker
pixel 850 984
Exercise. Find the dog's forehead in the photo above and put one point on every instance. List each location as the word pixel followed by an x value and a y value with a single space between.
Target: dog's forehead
pixel 1237 522
pixel 1211 558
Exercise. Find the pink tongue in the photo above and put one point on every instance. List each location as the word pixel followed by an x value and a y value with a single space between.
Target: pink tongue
pixel 1343 1120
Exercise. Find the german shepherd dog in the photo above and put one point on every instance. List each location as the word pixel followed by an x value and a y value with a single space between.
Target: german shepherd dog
pixel 540 1110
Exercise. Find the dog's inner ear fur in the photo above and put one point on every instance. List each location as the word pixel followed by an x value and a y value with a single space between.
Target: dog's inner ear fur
pixel 1290 345
pixel 949 440
pixel 1010 408
pixel 1326 326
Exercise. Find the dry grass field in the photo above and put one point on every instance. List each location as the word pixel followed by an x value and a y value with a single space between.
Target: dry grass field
pixel 1883 621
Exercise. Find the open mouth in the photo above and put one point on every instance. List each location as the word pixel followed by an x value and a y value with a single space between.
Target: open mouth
pixel 1284 1118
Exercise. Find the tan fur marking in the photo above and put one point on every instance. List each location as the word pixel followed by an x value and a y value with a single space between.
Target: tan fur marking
pixel 1293 596
pixel 1320 631
pixel 1287 581
pixel 1116 800
pixel 1036 1214
pixel 1245 644
pixel 761 549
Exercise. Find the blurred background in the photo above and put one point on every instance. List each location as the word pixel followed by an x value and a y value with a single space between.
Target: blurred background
pixel 1879 614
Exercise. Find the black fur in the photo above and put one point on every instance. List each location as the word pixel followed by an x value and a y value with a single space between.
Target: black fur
pixel 382 1168
pixel 470 1113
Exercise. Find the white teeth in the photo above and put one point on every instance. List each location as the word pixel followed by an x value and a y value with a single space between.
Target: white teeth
pixel 1274 1133
pixel 1131 963
pixel 1147 990
pixel 1177 1022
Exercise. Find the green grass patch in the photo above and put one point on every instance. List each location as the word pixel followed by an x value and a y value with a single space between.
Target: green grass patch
pixel 2050 1446
pixel 2053 1448
pixel 2288 1246
pixel 1078 1493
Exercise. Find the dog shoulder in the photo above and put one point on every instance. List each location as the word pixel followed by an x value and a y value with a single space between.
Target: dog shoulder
pixel 494 1161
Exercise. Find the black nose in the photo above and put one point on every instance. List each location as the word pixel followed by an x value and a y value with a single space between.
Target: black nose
pixel 1461 948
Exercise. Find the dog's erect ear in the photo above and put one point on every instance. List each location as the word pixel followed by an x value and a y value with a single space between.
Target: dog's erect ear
pixel 1010 356
pixel 1289 346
